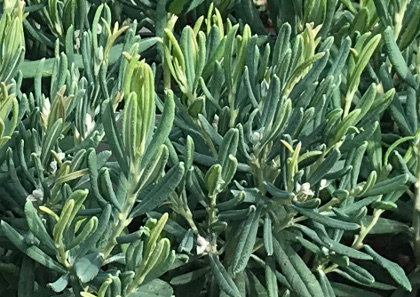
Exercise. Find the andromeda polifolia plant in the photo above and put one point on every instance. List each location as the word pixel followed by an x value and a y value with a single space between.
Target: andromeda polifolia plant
pixel 209 148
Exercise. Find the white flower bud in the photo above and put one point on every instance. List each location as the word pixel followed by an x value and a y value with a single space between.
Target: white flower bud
pixel 53 164
pixel 323 184
pixel 306 189
pixel 90 124
pixel 255 137
pixel 36 195
pixel 202 245
pixel 45 112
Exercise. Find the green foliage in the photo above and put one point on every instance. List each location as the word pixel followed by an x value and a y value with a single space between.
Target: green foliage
pixel 160 148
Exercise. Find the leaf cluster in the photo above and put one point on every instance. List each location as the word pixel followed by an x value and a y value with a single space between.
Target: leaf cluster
pixel 160 148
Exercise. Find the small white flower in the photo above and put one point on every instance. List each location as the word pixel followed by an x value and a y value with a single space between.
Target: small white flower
pixel 53 164
pixel 36 195
pixel 46 106
pixel 255 137
pixel 305 189
pixel 90 124
pixel 202 245
pixel 76 39
pixel 45 112
pixel 325 251
pixel 215 122
pixel 323 184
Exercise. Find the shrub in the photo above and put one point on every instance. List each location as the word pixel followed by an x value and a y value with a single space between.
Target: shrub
pixel 160 148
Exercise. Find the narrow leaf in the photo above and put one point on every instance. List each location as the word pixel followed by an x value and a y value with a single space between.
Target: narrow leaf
pixel 160 191
pixel 223 279
pixel 32 251
pixel 396 272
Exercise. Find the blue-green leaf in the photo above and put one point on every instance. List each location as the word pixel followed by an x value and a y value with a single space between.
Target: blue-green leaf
pixel 302 281
pixel 396 272
pixel 87 267
pixel 32 251
pixel 160 191
pixel 223 279
pixel 246 241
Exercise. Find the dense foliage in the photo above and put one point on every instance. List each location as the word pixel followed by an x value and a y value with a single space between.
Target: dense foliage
pixel 209 148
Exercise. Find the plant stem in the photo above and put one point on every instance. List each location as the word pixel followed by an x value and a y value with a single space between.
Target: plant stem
pixel 207 139
pixel 117 229
pixel 233 111
pixel 166 77
pixel 63 256
pixel 258 174
pixel 212 219
pixel 188 216
pixel 347 103
pixel 416 208
pixel 416 220
pixel 364 231
pixel 212 210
